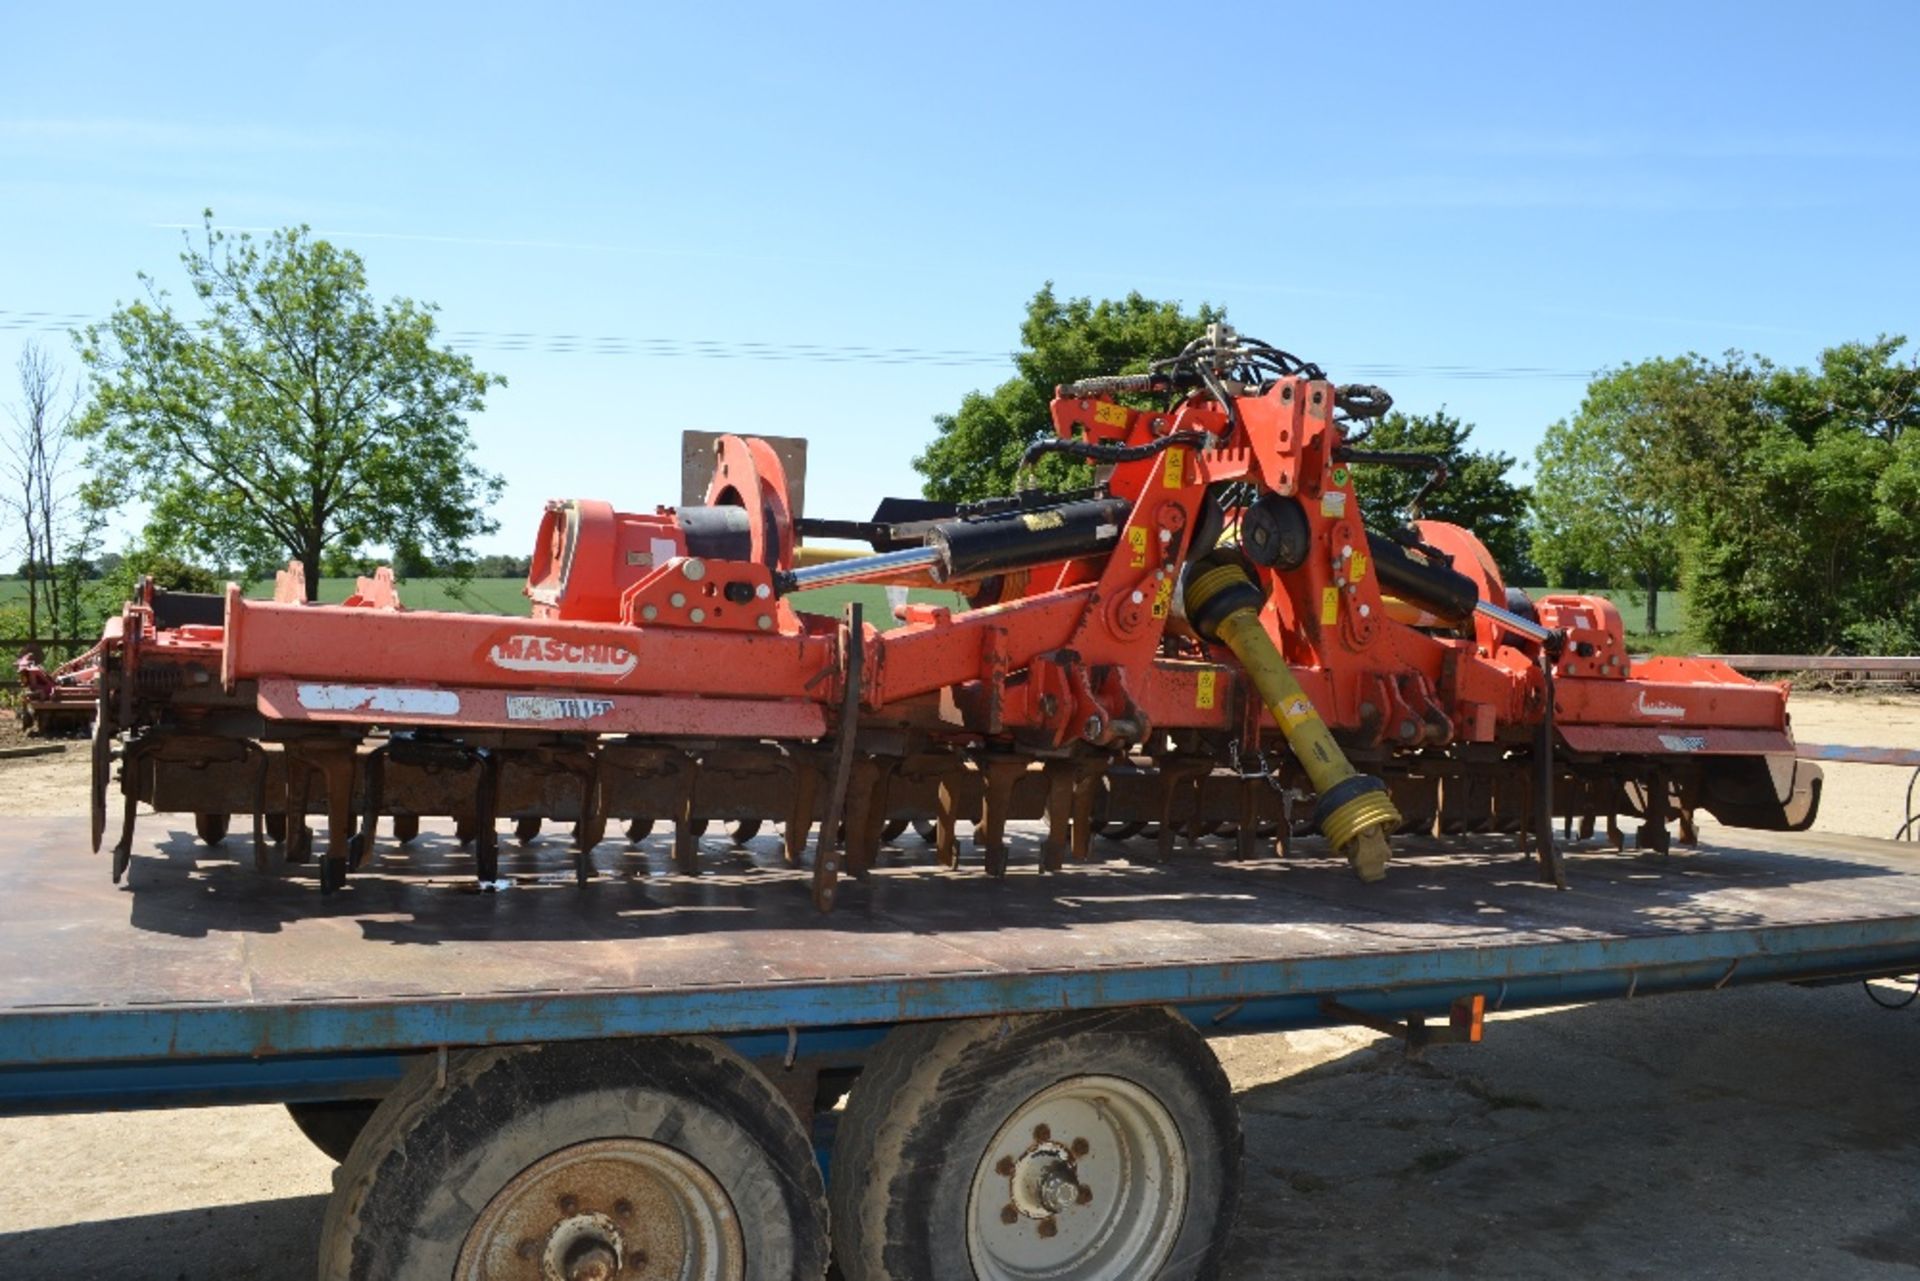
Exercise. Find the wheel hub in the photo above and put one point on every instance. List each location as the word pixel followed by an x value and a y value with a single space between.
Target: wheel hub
pixel 1044 1182
pixel 607 1209
pixel 1086 1179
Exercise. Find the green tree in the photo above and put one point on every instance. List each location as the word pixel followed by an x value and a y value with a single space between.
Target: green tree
pixel 1604 499
pixel 296 415
pixel 1477 494
pixel 1789 499
pixel 976 451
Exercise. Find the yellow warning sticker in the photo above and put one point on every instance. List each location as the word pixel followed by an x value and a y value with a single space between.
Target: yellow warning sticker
pixel 1357 570
pixel 1162 595
pixel 1333 503
pixel 1176 463
pixel 1108 414
pixel 1038 521
pixel 1137 540
pixel 1203 689
pixel 1294 711
pixel 1329 606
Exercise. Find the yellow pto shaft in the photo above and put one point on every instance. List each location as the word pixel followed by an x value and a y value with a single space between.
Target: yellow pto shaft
pixel 1354 811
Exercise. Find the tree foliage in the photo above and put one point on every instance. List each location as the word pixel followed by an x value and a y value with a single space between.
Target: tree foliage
pixel 1789 499
pixel 1606 491
pixel 1477 494
pixel 976 451
pixel 37 483
pixel 296 415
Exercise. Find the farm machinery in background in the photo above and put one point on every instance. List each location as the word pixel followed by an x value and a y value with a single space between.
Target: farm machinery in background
pixel 61 701
pixel 1208 638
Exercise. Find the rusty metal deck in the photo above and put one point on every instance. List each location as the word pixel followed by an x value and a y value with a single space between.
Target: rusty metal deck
pixel 202 958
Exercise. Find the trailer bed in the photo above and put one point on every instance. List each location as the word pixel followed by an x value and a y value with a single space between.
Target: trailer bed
pixel 207 980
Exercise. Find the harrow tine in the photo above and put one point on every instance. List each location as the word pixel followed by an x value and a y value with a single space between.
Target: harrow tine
pixel 592 827
pixel 262 856
pixel 866 814
pixel 826 862
pixel 793 842
pixel 123 848
pixel 946 840
pixel 686 834
pixel 991 835
pixel 299 842
pixel 486 800
pixel 1053 849
pixel 370 820
pixel 1086 789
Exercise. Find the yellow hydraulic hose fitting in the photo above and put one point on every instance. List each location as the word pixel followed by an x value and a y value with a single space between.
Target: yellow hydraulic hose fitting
pixel 1354 811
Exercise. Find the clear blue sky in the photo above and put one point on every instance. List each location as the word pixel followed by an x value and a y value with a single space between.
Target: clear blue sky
pixel 1531 188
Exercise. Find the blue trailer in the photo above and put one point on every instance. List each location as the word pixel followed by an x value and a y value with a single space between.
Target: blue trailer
pixel 954 1075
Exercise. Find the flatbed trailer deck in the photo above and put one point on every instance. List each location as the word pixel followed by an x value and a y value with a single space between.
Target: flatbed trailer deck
pixel 205 983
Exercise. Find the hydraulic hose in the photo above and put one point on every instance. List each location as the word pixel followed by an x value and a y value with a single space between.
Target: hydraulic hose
pixel 1354 810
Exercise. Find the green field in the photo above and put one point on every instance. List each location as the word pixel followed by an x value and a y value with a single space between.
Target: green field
pixel 502 596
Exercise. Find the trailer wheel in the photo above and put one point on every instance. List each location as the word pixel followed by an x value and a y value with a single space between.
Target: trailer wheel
pixel 406 827
pixel 211 828
pixel 745 830
pixel 638 830
pixel 1090 1145
pixel 525 830
pixel 657 1157
pixel 334 1124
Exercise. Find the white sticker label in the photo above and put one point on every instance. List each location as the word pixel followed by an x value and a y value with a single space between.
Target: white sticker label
pixel 1657 708
pixel 376 698
pixel 547 654
pixel 529 707
pixel 1684 742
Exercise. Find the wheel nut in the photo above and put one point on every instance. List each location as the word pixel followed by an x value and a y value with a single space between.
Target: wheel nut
pixel 1081 1147
pixel 623 1207
pixel 569 1203
pixel 1086 1195
pixel 1042 1133
pixel 1048 1227
pixel 1004 1168
pixel 1009 1214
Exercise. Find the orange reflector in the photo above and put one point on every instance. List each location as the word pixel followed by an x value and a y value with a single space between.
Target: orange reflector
pixel 1468 1016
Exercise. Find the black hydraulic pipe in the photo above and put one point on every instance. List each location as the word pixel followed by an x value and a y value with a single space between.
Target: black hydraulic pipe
pixel 1446 593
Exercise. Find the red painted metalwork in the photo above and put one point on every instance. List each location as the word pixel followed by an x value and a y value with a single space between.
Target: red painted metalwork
pixel 675 630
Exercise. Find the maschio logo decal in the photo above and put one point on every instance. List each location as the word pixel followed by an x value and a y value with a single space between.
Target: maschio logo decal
pixel 528 707
pixel 526 653
pixel 1656 708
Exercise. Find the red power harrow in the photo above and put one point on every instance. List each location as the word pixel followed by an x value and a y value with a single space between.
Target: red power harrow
pixel 1204 638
